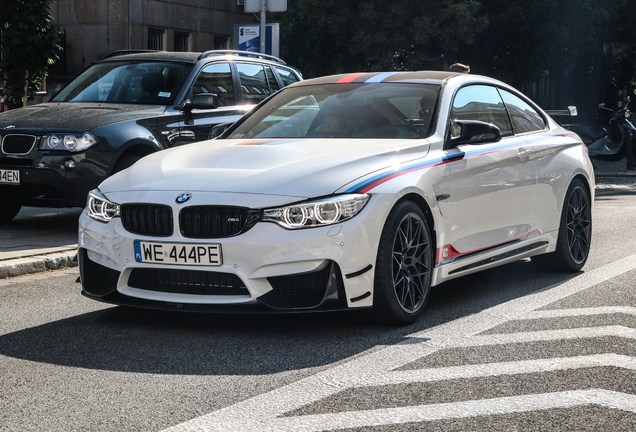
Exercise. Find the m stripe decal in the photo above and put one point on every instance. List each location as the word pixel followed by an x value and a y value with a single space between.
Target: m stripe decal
pixel 348 79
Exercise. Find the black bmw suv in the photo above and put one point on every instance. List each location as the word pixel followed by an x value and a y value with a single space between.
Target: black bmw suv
pixel 124 107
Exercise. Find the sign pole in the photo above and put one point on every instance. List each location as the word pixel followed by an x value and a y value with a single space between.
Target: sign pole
pixel 263 27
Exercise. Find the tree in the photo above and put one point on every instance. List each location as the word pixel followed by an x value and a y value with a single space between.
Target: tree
pixel 29 44
pixel 332 36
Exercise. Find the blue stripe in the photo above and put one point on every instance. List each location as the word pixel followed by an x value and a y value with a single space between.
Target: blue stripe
pixel 380 78
pixel 284 142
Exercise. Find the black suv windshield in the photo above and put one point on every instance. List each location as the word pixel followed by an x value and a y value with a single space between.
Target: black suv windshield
pixel 154 83
pixel 387 110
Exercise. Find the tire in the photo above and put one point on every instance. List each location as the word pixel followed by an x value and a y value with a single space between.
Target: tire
pixel 575 233
pixel 403 268
pixel 8 212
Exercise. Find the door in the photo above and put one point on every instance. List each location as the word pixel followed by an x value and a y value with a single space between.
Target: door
pixel 492 185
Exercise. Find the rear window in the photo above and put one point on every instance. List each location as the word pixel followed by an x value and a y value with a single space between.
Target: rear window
pixel 155 83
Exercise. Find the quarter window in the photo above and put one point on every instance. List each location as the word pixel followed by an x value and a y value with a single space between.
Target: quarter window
pixel 524 117
pixel 287 76
pixel 216 78
pixel 481 103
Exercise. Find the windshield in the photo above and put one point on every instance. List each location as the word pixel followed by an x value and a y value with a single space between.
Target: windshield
pixel 154 83
pixel 385 110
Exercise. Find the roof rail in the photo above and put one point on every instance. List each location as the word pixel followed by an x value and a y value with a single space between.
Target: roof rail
pixel 240 53
pixel 124 52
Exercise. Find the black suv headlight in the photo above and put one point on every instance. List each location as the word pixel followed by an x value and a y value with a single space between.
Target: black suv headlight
pixel 100 208
pixel 321 212
pixel 68 141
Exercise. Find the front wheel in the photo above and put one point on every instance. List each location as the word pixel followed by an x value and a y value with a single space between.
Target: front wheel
pixel 575 233
pixel 8 212
pixel 403 267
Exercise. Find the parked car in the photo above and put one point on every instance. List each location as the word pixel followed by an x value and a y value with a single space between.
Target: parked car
pixel 354 192
pixel 126 106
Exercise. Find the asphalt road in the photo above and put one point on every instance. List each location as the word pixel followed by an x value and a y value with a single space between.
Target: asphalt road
pixel 506 349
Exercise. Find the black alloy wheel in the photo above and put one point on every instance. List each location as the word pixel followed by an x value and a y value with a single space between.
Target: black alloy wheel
pixel 403 267
pixel 579 225
pixel 575 233
pixel 411 271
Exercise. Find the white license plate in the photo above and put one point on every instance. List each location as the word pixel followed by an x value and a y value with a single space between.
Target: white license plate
pixel 9 177
pixel 178 253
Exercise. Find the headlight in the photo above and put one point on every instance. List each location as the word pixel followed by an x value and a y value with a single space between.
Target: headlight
pixel 99 208
pixel 68 141
pixel 323 212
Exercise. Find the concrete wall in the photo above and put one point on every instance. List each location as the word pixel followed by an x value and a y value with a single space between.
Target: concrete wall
pixel 96 27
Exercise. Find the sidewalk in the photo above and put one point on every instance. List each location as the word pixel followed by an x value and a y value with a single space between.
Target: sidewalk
pixel 37 240
pixel 40 240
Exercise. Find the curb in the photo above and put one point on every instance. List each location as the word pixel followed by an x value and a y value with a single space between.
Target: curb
pixel 38 264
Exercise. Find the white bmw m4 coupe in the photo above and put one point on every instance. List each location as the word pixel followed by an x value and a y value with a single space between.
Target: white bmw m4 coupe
pixel 357 191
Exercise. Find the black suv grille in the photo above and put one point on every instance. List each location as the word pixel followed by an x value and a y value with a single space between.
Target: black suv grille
pixel 147 219
pixel 17 144
pixel 187 282
pixel 216 221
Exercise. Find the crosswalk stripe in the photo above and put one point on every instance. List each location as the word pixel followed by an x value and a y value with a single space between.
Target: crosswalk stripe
pixel 455 410
pixel 495 369
pixel 564 313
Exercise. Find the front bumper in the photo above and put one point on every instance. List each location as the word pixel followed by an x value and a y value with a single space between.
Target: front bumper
pixel 44 182
pixel 265 268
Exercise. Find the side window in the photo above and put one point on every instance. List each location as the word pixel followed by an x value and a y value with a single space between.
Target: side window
pixel 216 78
pixel 254 84
pixel 271 79
pixel 481 103
pixel 287 76
pixel 524 117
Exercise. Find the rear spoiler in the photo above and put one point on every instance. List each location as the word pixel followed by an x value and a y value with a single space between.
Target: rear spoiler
pixel 570 112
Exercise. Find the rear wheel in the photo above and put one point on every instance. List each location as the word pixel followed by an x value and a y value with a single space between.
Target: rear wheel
pixel 403 267
pixel 8 212
pixel 575 233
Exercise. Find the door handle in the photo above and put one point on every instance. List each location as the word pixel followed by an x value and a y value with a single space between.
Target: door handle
pixel 524 153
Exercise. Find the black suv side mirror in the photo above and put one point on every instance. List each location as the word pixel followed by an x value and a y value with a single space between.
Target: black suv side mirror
pixel 202 101
pixel 476 132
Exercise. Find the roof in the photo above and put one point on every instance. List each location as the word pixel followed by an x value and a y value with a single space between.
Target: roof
pixel 429 77
pixel 190 57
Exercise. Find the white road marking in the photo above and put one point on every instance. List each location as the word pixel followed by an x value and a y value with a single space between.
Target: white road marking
pixel 506 405
pixel 263 412
pixel 496 369
pixel 561 313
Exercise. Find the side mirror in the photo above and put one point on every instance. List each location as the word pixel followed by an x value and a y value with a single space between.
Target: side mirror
pixel 217 130
pixel 202 101
pixel 476 132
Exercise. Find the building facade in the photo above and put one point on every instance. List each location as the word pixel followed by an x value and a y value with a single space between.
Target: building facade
pixel 90 29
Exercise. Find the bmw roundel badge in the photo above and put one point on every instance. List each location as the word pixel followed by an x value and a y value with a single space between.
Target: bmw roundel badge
pixel 183 198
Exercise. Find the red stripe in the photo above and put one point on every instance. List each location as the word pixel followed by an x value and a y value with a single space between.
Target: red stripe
pixel 348 79
pixel 454 253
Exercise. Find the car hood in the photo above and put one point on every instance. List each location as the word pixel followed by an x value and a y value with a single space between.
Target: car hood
pixel 296 168
pixel 73 116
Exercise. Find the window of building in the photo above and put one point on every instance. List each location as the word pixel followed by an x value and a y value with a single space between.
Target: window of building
pixel 181 41
pixel 221 43
pixel 155 39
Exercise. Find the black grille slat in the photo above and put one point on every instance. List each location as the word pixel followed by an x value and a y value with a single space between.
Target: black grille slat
pixel 147 219
pixel 216 221
pixel 17 143
pixel 193 282
pixel 15 162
